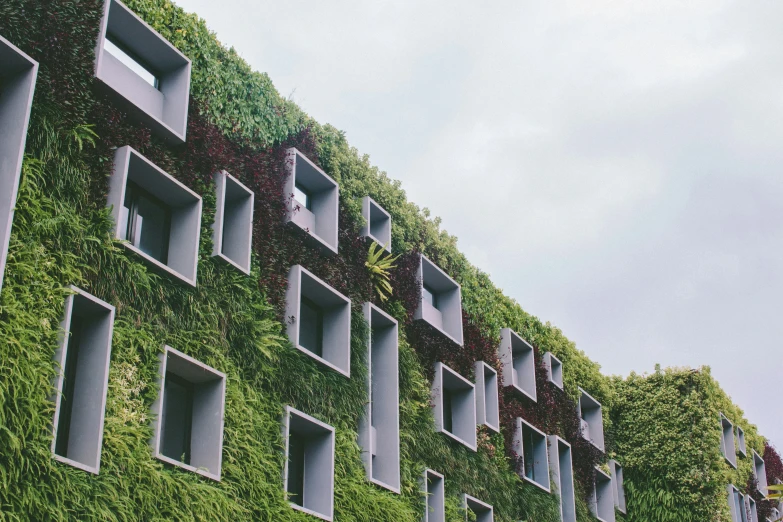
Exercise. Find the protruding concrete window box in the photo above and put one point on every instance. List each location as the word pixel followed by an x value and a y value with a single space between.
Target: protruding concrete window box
pixel 751 509
pixel 592 419
pixel 308 475
pixel 441 301
pixel 602 498
pixel 563 476
pixel 531 445
pixel 147 74
pixel 82 381
pixel 379 427
pixel 232 232
pixel 760 472
pixel 315 201
pixel 619 487
pixel 454 405
pixel 736 504
pixel 741 446
pixel 18 73
pixel 157 216
pixel 519 363
pixel 434 488
pixel 554 369
pixel 482 510
pixel 487 407
pixel 188 414
pixel 318 320
pixel 377 226
pixel 727 446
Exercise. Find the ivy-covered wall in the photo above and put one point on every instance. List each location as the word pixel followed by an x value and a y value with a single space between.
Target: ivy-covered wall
pixel 234 323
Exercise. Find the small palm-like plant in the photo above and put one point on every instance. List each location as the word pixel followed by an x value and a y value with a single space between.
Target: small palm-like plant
pixel 775 494
pixel 379 267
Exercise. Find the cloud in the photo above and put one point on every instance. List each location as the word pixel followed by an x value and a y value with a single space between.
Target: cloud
pixel 615 166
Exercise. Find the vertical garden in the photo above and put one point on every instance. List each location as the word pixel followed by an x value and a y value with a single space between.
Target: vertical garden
pixel 664 428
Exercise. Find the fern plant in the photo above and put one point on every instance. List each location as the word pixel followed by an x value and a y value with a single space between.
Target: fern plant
pixel 379 267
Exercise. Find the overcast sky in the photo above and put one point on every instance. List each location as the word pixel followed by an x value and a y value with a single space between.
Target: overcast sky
pixel 614 166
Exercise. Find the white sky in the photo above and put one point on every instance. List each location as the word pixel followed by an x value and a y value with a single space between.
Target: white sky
pixel 614 166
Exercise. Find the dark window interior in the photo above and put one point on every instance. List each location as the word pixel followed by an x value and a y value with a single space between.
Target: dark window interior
pixel 527 443
pixel 296 468
pixel 149 222
pixel 311 327
pixel 430 296
pixel 69 384
pixel 131 60
pixel 177 418
pixel 303 196
pixel 448 412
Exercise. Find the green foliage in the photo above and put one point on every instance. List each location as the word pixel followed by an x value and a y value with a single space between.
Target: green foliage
pixel 379 266
pixel 62 236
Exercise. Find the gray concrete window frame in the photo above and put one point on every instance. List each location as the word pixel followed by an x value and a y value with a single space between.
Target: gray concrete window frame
pixel 760 472
pixel 487 404
pixel 742 448
pixel 517 358
pixel 320 223
pixel 562 470
pixel 164 110
pixel 601 497
pixel 463 408
pixel 337 318
pixel 554 369
pixel 92 379
pixel 18 73
pixel 736 504
pixel 434 491
pixel 185 207
pixel 750 506
pixel 380 442
pixel 540 454
pixel 209 403
pixel 447 318
pixel 616 471
pixel 483 511
pixel 232 231
pixel 318 495
pixel 727 443
pixel 377 223
pixel 591 413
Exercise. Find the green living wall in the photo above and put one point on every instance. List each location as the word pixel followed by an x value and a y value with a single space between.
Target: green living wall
pixel 235 323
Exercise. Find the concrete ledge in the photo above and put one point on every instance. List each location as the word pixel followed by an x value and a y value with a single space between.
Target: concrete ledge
pixel 18 73
pixel 446 314
pixel 183 203
pixel 591 413
pixel 377 223
pixel 434 490
pixel 330 331
pixel 232 232
pixel 483 511
pixel 487 406
pixel 379 426
pixel 204 423
pixel 518 361
pixel 317 439
pixel 530 444
pixel 562 470
pixel 165 109
pixel 320 220
pixel 451 389
pixel 87 329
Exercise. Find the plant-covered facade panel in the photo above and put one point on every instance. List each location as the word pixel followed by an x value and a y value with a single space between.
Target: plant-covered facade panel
pixel 150 373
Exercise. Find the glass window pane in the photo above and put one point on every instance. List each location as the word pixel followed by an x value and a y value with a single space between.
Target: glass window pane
pixel 311 326
pixel 448 411
pixel 429 295
pixel 302 195
pixel 130 62
pixel 296 468
pixel 69 385
pixel 152 228
pixel 527 447
pixel 177 418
